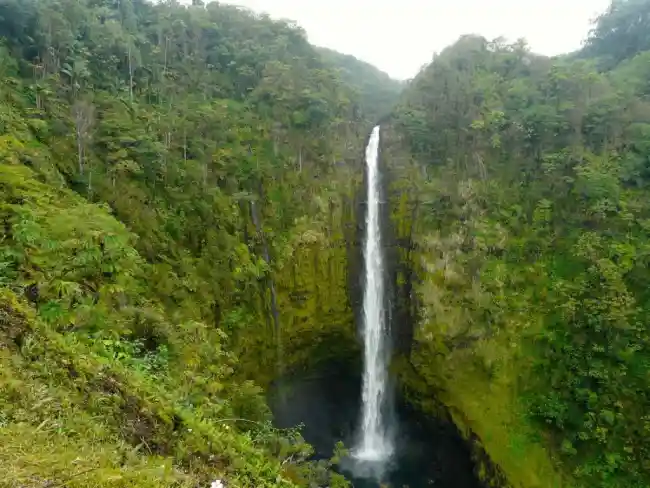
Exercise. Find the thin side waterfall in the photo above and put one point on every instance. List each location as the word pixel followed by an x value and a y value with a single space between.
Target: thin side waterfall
pixel 375 444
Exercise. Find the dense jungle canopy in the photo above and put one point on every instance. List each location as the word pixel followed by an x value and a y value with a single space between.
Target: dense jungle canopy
pixel 180 189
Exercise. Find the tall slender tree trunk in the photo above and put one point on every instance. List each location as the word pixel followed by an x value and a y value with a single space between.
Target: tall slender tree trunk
pixel 130 75
pixel 185 144
pixel 80 155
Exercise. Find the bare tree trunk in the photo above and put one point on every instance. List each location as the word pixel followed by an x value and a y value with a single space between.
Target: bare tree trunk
pixel 83 114
pixel 130 75
pixel 168 143
pixel 185 144
pixel 165 66
pixel 39 103
pixel 80 155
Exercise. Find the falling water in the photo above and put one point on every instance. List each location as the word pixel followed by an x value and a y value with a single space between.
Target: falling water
pixel 375 444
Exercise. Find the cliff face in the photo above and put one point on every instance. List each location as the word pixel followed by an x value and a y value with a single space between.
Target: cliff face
pixel 517 188
pixel 318 287
pixel 181 212
pixel 445 365
pixel 177 220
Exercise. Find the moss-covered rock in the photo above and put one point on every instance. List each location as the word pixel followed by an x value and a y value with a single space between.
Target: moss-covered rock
pixel 452 369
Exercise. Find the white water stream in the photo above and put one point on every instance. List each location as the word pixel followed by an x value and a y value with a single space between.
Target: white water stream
pixel 374 444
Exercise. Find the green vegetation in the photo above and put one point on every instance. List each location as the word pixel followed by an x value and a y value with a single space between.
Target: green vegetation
pixel 377 91
pixel 520 188
pixel 176 188
pixel 178 226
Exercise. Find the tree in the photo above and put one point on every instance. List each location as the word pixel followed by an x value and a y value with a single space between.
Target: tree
pixel 83 114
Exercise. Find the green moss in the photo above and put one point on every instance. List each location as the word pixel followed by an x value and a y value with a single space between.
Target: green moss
pixel 140 400
pixel 311 277
pixel 487 414
pixel 455 370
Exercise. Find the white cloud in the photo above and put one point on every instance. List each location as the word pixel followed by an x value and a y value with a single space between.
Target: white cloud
pixel 400 36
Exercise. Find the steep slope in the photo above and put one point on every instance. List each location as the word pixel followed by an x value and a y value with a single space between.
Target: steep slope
pixel 177 198
pixel 99 386
pixel 620 33
pixel 519 192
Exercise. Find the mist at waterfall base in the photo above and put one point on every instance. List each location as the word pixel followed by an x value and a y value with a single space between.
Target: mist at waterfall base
pixel 391 445
pixel 427 452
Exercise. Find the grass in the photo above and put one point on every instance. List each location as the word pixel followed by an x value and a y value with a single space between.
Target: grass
pixel 71 417
pixel 51 433
pixel 47 458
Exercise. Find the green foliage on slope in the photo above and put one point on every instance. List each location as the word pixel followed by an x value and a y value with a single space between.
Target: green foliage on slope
pixel 377 91
pixel 530 247
pixel 176 188
pixel 620 33
pixel 98 384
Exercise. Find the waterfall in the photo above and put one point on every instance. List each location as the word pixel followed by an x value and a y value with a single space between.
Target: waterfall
pixel 374 444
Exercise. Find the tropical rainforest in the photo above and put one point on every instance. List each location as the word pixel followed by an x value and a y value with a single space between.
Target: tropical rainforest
pixel 520 196
pixel 180 189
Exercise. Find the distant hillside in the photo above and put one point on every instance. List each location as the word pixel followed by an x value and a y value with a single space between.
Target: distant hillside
pixel 377 90
pixel 620 33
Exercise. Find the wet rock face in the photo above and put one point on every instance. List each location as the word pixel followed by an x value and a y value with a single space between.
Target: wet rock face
pixel 327 402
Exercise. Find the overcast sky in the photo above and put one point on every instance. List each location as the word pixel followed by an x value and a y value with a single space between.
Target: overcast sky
pixel 399 36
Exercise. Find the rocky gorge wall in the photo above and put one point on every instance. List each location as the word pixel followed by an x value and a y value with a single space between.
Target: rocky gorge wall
pixel 443 367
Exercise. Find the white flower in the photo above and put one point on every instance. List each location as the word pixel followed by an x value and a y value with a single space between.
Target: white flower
pixel 217 484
